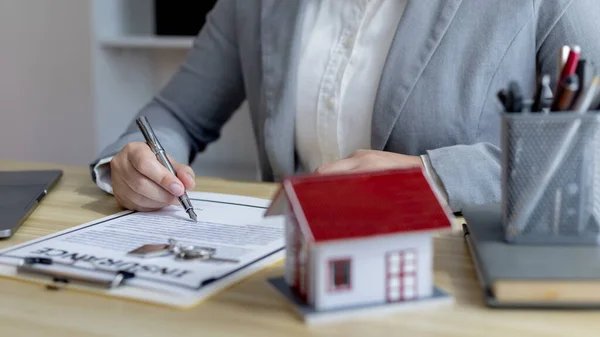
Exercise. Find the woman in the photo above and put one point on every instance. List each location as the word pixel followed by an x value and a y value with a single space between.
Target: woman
pixel 342 86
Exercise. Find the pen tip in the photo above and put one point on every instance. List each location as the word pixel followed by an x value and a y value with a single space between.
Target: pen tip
pixel 193 215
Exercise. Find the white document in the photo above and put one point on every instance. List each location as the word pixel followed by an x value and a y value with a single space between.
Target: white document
pixel 233 225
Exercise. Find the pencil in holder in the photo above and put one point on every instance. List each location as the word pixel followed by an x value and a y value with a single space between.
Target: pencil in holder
pixel 551 178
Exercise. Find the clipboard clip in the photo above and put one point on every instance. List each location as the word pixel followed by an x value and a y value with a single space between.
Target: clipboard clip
pixel 63 273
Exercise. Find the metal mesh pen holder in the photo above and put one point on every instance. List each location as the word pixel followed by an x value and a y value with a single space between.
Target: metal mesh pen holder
pixel 551 178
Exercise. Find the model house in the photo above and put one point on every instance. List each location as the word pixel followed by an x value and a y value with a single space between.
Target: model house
pixel 360 239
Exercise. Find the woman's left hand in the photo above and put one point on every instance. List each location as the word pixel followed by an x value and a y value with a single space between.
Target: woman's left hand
pixel 370 160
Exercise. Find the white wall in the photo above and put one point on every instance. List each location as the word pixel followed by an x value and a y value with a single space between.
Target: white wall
pixel 45 81
pixel 368 278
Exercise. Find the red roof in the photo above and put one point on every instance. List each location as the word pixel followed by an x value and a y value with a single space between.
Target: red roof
pixel 367 204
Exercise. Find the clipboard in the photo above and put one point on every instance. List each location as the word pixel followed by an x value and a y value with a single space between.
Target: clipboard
pixel 59 275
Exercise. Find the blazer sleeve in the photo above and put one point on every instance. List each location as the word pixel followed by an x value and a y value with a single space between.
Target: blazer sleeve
pixel 189 112
pixel 470 174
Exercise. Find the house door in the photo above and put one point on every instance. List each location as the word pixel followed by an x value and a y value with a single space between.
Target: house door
pixel 302 274
pixel 401 275
pixel 301 267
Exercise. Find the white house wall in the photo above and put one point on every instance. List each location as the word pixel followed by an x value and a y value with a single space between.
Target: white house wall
pixel 312 280
pixel 368 272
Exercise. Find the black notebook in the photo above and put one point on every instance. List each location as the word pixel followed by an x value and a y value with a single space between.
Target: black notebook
pixel 520 275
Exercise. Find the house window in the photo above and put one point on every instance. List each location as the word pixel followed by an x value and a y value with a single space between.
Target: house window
pixel 339 274
pixel 401 275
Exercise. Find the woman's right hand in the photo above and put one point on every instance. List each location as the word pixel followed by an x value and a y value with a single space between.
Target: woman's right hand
pixel 141 183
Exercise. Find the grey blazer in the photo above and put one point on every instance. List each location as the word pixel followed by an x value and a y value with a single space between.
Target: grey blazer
pixel 437 95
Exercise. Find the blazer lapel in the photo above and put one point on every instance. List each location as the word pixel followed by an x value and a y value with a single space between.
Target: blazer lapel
pixel 419 32
pixel 280 32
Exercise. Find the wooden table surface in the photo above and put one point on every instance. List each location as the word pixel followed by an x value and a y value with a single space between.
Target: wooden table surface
pixel 250 308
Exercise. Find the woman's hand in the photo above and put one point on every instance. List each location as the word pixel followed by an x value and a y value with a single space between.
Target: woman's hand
pixel 370 160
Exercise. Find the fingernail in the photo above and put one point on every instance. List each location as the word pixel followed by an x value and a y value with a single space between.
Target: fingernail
pixel 176 189
pixel 191 176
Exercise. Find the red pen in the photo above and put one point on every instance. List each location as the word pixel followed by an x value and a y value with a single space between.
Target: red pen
pixel 562 58
pixel 570 66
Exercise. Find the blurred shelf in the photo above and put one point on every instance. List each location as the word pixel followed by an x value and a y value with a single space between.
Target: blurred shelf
pixel 147 42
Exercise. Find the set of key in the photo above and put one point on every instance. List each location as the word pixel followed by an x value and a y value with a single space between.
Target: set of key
pixel 180 252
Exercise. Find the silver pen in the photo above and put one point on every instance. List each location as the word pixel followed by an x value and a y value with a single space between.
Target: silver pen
pixel 161 155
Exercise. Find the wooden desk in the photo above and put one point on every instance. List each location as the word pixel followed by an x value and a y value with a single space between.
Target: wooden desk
pixel 250 308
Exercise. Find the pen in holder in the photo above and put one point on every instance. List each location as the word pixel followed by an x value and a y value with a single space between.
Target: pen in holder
pixel 550 177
